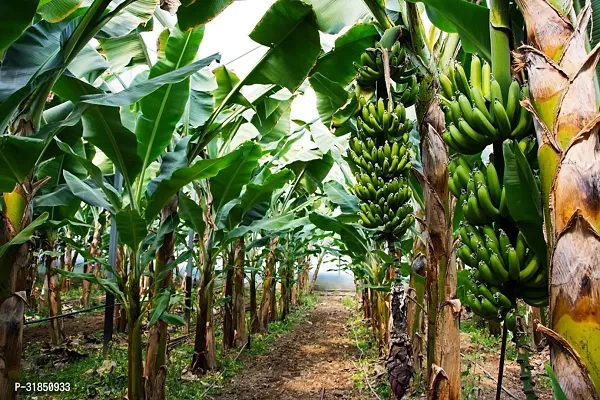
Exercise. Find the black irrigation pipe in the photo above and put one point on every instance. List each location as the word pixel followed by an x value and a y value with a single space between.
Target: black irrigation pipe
pixel 37 321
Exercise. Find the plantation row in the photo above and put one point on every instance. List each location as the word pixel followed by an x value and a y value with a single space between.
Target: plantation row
pixel 453 167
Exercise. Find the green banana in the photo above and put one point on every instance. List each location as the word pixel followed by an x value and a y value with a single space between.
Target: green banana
pixel 502 299
pixel 489 308
pixel 501 118
pixel 462 83
pixel 511 321
pixel 446 85
pixel 466 129
pixel 475 72
pixel 514 97
pixel 465 254
pixel 523 124
pixel 540 280
pixel 484 125
pixel 485 292
pixel 487 275
pixel 476 306
pixel 493 184
pixel 521 247
pixel 514 265
pixel 463 175
pixel 498 267
pixel 496 93
pixel 484 200
pixel 486 79
pixel 504 241
pixel 529 271
pixel 537 302
pixel 466 109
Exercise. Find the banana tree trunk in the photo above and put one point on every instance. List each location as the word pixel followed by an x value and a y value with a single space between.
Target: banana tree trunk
pixel 561 77
pixel 316 273
pixel 155 370
pixel 54 301
pixel 414 314
pixel 135 384
pixel 254 321
pixel 239 307
pixel 228 330
pixel 443 307
pixel 67 265
pixel 14 264
pixel 267 300
pixel 203 359
pixel 365 306
pixel 86 286
pixel 285 272
pixel 121 270
pixel 443 340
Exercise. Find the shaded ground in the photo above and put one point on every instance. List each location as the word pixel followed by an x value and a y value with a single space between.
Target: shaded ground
pixel 478 362
pixel 308 362
pixel 80 324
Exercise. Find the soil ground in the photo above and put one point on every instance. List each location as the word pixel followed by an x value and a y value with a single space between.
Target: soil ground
pixel 317 359
pixel 309 362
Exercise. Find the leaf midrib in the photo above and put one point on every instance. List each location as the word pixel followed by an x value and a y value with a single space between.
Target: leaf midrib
pixel 162 106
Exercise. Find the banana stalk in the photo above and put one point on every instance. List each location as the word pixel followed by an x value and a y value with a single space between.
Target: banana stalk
pixel 562 97
pixel 443 340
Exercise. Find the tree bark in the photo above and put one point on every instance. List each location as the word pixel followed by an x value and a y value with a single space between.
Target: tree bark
pixel 267 300
pixel 155 370
pixel 88 268
pixel 135 384
pixel 54 301
pixel 443 340
pixel 203 359
pixel 121 270
pixel 239 306
pixel 228 329
pixel 254 321
pixel 562 94
pixel 316 273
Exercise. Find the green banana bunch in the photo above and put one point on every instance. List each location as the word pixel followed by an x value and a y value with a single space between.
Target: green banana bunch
pixel 383 120
pixel 502 270
pixel 478 190
pixel 406 93
pixel 370 70
pixel 391 220
pixel 477 112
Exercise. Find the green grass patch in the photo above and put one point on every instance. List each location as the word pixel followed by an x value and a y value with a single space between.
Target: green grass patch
pixel 368 360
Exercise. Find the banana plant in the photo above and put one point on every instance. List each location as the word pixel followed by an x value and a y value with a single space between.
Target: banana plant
pixel 561 71
pixel 35 53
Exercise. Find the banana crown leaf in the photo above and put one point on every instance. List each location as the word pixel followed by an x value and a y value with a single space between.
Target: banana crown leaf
pixel 25 234
pixel 183 176
pixel 338 195
pixel 192 13
pixel 162 109
pixel 335 15
pixel 136 13
pixel 331 96
pixel 14 20
pixel 349 234
pixel 18 156
pixel 131 227
pixel 469 20
pixel 102 127
pixel 336 65
pixel 289 29
pixel 35 52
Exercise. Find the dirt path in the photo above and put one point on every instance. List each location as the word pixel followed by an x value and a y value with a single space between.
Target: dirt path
pixel 309 362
